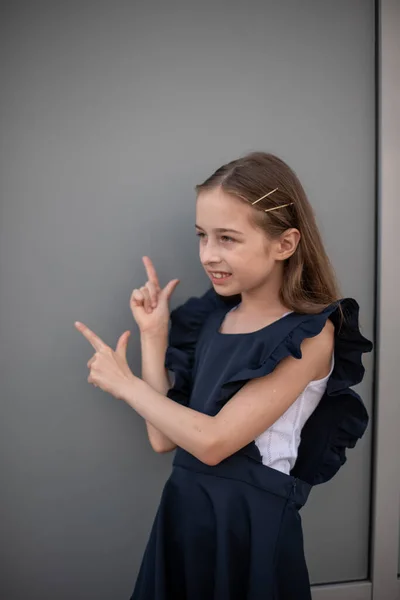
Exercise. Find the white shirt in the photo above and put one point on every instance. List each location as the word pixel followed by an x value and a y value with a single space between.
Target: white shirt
pixel 278 445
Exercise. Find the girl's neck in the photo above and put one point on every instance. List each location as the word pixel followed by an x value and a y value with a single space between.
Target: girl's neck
pixel 263 301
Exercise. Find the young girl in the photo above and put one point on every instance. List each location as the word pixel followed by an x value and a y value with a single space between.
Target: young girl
pixel 261 407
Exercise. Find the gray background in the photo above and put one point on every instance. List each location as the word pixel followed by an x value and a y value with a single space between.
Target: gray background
pixel 110 114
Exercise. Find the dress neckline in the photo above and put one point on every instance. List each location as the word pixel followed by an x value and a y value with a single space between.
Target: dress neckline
pixel 248 333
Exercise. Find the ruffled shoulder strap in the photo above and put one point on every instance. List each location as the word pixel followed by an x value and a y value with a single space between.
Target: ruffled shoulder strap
pixel 186 323
pixel 340 418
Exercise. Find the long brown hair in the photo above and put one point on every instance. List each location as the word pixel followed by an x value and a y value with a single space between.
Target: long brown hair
pixel 309 282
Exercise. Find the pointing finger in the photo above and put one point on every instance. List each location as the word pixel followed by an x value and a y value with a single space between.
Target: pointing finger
pixel 92 338
pixel 151 271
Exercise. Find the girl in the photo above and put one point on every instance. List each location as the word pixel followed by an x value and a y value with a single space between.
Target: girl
pixel 261 407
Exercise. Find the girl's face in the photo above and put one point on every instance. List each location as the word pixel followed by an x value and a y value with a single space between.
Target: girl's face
pixel 237 256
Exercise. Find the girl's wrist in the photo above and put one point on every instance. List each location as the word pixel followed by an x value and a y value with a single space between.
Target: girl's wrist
pixel 128 388
pixel 155 335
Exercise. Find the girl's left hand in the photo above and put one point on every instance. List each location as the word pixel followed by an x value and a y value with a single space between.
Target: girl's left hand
pixel 109 370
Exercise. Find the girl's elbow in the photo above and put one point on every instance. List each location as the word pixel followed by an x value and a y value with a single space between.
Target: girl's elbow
pixel 212 460
pixel 212 454
pixel 161 448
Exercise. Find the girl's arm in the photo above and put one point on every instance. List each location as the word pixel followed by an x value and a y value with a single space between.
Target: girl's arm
pixel 254 408
pixel 154 373
pixel 150 309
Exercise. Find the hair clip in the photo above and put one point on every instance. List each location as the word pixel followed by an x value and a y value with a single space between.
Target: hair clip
pixel 274 207
pixel 265 196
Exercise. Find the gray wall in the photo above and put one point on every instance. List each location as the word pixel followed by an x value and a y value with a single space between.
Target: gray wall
pixel 110 114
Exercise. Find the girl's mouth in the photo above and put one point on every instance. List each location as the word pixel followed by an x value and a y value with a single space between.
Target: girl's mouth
pixel 220 276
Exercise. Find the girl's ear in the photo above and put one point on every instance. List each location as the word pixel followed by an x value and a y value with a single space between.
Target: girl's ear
pixel 287 243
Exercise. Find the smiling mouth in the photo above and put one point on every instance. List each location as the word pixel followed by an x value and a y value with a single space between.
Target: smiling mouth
pixel 219 275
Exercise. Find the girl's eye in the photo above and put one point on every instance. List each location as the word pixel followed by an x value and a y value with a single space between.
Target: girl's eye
pixel 224 238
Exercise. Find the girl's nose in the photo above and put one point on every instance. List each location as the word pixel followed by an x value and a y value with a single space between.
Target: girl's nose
pixel 209 254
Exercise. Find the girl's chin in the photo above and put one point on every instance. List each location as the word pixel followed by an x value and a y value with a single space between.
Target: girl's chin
pixel 225 290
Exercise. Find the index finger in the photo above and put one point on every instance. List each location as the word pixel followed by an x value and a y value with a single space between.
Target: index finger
pixel 151 271
pixel 92 338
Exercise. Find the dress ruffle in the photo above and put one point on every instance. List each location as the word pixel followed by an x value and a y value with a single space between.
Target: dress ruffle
pixel 186 322
pixel 340 418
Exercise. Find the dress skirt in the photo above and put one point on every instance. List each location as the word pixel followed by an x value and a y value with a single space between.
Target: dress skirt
pixel 226 532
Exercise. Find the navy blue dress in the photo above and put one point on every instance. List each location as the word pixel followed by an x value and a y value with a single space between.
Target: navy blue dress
pixel 233 531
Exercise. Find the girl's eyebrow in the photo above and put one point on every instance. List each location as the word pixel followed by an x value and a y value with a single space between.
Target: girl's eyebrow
pixel 222 230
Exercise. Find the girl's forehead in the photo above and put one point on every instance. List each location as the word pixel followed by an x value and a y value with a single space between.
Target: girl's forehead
pixel 216 195
pixel 216 209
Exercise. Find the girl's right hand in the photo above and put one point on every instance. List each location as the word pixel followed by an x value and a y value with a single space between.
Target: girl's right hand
pixel 149 304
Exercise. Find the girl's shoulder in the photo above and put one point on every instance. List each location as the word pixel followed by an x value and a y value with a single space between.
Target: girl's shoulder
pixel 189 318
pixel 186 323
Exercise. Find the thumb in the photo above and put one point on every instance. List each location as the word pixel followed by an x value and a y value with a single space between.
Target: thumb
pixel 122 344
pixel 169 288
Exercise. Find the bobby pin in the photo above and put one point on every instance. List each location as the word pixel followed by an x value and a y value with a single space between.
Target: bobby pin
pixel 276 207
pixel 265 196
